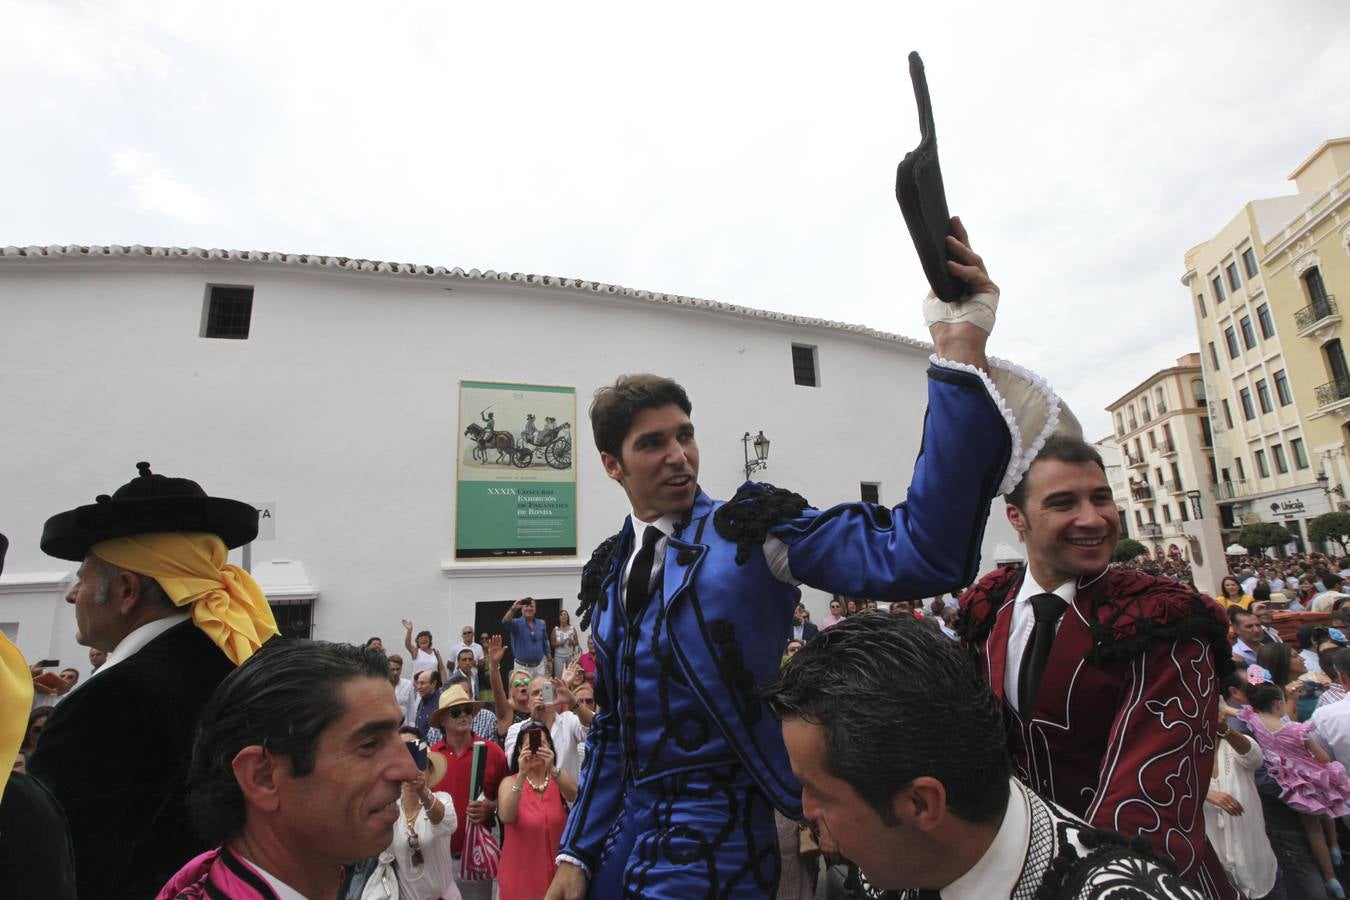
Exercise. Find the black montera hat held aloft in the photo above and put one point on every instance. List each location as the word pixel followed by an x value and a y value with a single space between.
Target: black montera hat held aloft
pixel 146 504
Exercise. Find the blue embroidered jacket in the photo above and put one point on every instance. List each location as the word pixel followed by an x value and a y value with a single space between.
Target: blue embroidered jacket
pixel 681 691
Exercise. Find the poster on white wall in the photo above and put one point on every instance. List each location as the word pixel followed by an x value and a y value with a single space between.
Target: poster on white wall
pixel 517 484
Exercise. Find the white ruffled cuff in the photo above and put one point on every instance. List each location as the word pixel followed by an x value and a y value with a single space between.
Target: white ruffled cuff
pixel 1027 403
pixel 569 858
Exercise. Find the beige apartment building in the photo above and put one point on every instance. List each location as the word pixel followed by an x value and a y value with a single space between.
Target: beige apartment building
pixel 1115 476
pixel 1263 292
pixel 1166 448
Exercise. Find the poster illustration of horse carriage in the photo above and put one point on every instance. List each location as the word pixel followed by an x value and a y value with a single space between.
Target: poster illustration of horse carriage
pixel 517 483
pixel 551 444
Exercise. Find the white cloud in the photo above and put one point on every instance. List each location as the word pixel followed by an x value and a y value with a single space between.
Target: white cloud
pixel 155 191
pixel 743 152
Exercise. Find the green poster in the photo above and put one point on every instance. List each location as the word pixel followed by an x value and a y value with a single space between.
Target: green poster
pixel 517 493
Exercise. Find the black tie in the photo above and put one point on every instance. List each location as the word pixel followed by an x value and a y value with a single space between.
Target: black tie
pixel 1048 609
pixel 640 576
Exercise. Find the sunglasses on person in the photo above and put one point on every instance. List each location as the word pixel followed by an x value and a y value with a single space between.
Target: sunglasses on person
pixel 457 712
pixel 520 682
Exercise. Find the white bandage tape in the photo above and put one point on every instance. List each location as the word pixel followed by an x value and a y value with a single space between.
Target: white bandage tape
pixel 979 309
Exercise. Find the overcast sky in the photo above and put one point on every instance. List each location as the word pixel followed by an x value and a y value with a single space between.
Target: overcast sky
pixel 733 151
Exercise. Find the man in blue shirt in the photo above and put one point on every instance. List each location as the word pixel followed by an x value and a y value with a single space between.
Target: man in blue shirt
pixel 528 637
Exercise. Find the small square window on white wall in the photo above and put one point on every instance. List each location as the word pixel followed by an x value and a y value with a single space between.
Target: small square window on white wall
pixel 805 368
pixel 227 311
pixel 871 491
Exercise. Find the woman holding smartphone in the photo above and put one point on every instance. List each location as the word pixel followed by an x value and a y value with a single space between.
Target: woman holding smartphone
pixel 531 804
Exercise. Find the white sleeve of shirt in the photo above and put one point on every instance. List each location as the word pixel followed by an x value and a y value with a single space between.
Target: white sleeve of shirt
pixel 574 725
pixel 448 823
pixel 776 555
pixel 510 743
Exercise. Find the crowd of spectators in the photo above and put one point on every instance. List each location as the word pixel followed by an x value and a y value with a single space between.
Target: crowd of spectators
pixel 497 749
pixel 1279 782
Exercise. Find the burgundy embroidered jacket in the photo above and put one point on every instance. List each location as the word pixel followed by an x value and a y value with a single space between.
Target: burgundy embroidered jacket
pixel 1123 732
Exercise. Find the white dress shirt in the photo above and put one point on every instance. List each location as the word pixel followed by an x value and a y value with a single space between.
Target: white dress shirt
pixel 1333 729
pixel 1019 629
pixel 996 873
pixel 283 890
pixel 138 638
pixel 476 647
pixel 406 697
pixel 775 551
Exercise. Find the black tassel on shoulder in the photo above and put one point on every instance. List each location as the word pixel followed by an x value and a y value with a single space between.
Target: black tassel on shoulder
pixel 746 518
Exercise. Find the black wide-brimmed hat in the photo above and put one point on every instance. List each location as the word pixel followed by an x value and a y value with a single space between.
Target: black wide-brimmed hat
pixel 148 503
pixel 4 545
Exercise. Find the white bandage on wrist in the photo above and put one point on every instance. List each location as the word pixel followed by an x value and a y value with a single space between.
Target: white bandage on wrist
pixel 978 309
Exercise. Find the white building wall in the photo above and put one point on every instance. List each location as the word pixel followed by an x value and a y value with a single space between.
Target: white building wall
pixel 341 408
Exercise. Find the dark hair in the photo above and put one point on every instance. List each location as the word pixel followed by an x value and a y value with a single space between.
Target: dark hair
pixel 1274 658
pixel 468 650
pixel 434 672
pixel 394 658
pixel 428 635
pixel 1260 592
pixel 413 730
pixel 615 406
pixel 372 640
pixel 1340 661
pixel 1062 448
pixel 844 681
pixel 1235 611
pixel 1307 634
pixel 1327 660
pixel 41 712
pixel 1265 697
pixel 521 740
pixel 1332 581
pixel 1235 680
pixel 458 677
pixel 282 698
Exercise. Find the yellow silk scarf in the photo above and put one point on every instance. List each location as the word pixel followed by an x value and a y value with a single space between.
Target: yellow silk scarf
pixel 16 700
pixel 226 602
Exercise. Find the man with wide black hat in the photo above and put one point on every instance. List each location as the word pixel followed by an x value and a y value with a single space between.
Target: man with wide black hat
pixel 155 591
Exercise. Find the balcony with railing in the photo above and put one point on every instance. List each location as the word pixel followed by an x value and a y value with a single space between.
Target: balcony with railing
pixel 1229 490
pixel 1171 487
pixel 1141 491
pixel 1151 530
pixel 1318 318
pixel 1135 462
pixel 1334 396
pixel 1167 447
